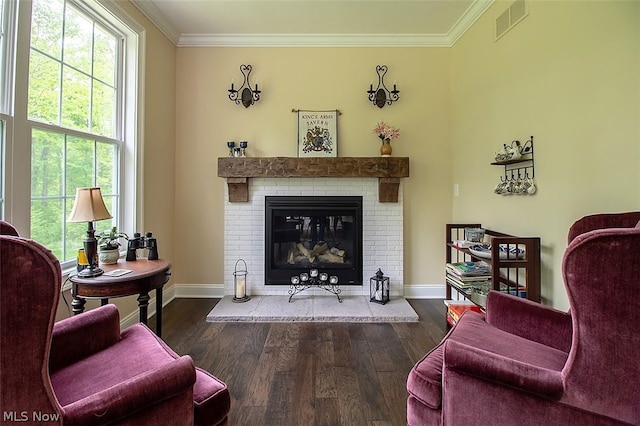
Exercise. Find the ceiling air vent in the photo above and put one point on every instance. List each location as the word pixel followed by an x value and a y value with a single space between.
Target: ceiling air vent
pixel 510 17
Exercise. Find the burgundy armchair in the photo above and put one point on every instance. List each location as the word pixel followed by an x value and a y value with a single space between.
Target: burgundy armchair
pixel 527 364
pixel 84 370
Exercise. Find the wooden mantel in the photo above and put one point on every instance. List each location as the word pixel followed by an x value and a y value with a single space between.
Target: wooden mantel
pixel 388 170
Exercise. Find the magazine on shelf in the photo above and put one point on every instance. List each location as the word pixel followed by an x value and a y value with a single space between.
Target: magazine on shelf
pixel 461 286
pixel 466 269
pixel 469 278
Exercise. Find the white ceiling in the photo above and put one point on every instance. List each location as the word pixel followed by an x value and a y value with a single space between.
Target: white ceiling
pixel 313 22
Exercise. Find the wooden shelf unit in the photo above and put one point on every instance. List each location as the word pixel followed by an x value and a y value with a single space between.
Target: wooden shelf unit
pixel 516 274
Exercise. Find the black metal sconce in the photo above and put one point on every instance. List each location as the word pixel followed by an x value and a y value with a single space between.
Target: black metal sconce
pixel 381 95
pixel 245 94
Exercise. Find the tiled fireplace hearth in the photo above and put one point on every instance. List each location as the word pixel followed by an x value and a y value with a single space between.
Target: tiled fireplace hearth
pixel 382 230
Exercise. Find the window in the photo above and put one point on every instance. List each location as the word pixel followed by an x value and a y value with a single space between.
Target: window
pixel 2 143
pixel 75 107
pixel 6 79
pixel 71 75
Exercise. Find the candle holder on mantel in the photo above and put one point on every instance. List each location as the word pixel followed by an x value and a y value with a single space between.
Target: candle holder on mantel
pixel 240 283
pixel 314 278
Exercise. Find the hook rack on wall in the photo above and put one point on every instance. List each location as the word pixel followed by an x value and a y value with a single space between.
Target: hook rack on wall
pixel 519 168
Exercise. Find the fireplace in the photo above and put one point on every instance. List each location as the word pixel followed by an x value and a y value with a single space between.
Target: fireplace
pixel 244 230
pixel 313 232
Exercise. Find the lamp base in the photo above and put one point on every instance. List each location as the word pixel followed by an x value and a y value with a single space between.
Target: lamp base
pixel 240 299
pixel 89 273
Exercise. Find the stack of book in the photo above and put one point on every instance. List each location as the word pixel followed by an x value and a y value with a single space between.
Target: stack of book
pixel 455 309
pixel 465 275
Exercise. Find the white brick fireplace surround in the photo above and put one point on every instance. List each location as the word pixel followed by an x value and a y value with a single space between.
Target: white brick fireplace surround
pixel 382 231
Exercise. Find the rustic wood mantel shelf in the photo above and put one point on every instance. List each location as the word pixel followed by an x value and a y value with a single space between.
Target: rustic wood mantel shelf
pixel 388 170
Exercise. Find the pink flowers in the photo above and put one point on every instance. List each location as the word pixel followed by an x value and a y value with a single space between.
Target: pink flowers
pixel 386 132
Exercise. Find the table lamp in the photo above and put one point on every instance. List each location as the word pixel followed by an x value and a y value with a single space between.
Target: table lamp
pixel 89 207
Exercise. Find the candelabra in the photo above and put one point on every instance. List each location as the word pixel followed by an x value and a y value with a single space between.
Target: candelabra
pixel 381 95
pixel 245 94
pixel 314 279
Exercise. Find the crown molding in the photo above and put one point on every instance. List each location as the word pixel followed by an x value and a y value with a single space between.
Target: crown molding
pixel 465 22
pixel 312 40
pixel 468 18
pixel 157 18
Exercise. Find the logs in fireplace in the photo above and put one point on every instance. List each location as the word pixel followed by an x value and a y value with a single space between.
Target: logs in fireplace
pixel 313 232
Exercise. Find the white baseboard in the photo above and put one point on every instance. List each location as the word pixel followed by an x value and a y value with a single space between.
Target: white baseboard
pixel 419 291
pixel 424 291
pixel 204 291
pixel 167 296
pixel 208 291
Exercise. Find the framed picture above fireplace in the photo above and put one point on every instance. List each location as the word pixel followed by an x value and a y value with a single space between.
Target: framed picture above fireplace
pixel 318 133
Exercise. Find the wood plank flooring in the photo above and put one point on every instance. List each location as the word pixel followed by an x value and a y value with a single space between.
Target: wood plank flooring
pixel 300 373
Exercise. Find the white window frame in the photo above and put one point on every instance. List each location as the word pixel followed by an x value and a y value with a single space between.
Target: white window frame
pixel 18 142
pixel 7 71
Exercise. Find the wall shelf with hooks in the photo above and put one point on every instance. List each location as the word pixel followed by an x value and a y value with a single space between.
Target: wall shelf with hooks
pixel 519 168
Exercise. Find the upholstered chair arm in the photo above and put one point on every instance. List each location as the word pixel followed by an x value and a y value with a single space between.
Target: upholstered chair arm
pixel 80 336
pixel 603 221
pixel 501 369
pixel 530 320
pixel 126 398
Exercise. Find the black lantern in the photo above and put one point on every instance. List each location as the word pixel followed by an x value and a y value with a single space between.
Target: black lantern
pixel 379 288
pixel 240 283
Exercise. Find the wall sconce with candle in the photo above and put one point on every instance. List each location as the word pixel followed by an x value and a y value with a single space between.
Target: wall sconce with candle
pixel 244 93
pixel 381 95
pixel 240 283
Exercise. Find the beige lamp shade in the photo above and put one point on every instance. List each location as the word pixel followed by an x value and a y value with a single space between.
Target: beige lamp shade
pixel 88 206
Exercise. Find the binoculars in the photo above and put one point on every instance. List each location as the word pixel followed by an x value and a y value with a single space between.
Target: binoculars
pixel 140 247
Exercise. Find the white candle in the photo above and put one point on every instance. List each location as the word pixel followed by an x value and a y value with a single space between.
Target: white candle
pixel 378 295
pixel 240 288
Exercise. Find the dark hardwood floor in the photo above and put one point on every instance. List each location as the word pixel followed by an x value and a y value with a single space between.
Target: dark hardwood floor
pixel 307 373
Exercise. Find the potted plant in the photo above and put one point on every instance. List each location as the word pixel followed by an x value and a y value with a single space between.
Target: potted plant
pixel 109 246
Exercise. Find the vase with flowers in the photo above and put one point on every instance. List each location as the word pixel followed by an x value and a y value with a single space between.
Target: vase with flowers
pixel 386 133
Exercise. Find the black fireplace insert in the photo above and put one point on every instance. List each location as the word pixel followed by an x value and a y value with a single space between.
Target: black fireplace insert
pixel 303 233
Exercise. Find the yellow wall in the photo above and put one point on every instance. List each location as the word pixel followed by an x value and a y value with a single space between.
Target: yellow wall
pixel 309 78
pixel 569 74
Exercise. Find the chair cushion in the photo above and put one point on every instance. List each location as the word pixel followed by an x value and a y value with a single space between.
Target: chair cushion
pixel 137 352
pixel 425 379
pixel 137 372
pixel 211 399
pixel 475 332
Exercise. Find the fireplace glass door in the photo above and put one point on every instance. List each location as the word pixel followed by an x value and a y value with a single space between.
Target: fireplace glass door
pixel 323 233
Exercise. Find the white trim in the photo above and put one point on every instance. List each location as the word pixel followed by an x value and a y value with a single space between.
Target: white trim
pixel 154 14
pixel 214 291
pixel 466 21
pixel 477 8
pixel 204 291
pixel 8 49
pixel 168 295
pixel 313 40
pixel 134 110
pixel 424 291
